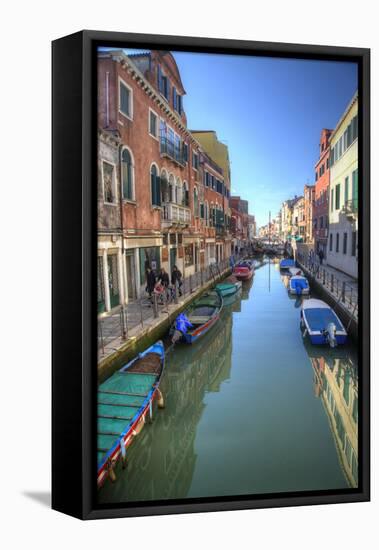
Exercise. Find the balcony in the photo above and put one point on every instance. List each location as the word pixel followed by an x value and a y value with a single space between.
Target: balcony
pixel 171 150
pixel 350 210
pixel 175 214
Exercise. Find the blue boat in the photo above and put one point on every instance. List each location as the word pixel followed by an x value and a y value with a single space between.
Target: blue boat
pixel 286 263
pixel 298 285
pixel 320 322
pixel 124 404
pixel 200 317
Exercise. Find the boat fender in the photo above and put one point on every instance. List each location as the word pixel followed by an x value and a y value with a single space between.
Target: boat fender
pixel 330 334
pixel 110 470
pixel 161 403
pixel 123 452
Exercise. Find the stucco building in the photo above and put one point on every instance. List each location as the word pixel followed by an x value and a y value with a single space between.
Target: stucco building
pixel 309 199
pixel 343 203
pixel 321 203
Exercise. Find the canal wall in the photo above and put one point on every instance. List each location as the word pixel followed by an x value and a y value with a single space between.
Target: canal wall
pixel 140 338
pixel 347 317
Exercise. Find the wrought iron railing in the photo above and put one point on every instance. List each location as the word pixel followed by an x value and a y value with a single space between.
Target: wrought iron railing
pixel 172 150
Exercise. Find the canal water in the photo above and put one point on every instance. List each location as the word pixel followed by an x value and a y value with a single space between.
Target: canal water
pixel 252 408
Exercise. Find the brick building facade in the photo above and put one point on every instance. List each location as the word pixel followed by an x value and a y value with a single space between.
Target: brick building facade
pixel 321 204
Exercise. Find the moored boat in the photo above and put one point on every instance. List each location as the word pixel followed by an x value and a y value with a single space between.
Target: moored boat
pixel 124 402
pixel 286 263
pixel 244 270
pixel 198 318
pixel 298 285
pixel 321 323
pixel 228 288
pixel 295 271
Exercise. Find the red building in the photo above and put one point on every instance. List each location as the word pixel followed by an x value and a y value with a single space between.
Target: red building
pixel 239 223
pixel 309 199
pixel 322 179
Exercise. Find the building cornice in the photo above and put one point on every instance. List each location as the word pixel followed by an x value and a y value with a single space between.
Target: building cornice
pixel 344 116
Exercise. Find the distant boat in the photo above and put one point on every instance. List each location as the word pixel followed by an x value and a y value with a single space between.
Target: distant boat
pixel 286 263
pixel 123 403
pixel 298 285
pixel 202 314
pixel 321 323
pixel 228 289
pixel 244 270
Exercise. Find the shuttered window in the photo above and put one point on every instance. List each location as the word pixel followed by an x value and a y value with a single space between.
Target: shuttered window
pixel 155 187
pixel 127 175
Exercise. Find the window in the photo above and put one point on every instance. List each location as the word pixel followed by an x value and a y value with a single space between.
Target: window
pixel 195 203
pixel 127 175
pixel 332 156
pixel 125 99
pixel 344 243
pixel 346 189
pixel 174 98
pixel 163 84
pixel 331 199
pixel 354 128
pixel 327 163
pixel 331 242
pixel 316 176
pixel 337 242
pixel 202 214
pixel 153 124
pixel 195 160
pixel 109 182
pixel 338 187
pixel 185 194
pixel 185 152
pixel 188 255
pixel 353 243
pixel 155 186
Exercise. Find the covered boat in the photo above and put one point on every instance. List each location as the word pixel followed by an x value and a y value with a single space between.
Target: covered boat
pixel 198 318
pixel 298 285
pixel 228 288
pixel 244 270
pixel 286 263
pixel 321 323
pixel 123 403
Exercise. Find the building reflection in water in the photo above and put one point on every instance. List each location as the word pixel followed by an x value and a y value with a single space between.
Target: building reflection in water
pixel 336 384
pixel 162 460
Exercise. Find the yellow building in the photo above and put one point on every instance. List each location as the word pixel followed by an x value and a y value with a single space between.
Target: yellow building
pixel 342 251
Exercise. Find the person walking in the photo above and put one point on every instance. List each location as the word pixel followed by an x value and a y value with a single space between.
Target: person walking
pixel 321 255
pixel 150 281
pixel 176 278
pixel 164 281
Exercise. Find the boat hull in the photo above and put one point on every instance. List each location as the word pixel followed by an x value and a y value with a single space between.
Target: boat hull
pixel 232 289
pixel 314 320
pixel 191 338
pixel 242 276
pixel 133 428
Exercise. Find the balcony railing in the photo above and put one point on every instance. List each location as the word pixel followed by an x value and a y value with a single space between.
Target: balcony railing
pixel 171 150
pixel 175 213
pixel 350 209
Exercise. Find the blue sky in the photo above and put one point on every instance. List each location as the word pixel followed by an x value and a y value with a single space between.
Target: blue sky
pixel 270 113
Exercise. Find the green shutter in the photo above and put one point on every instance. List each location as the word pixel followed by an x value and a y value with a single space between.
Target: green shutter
pixel 355 189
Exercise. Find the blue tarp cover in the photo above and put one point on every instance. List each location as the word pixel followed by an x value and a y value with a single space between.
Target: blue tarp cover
pixel 319 318
pixel 287 263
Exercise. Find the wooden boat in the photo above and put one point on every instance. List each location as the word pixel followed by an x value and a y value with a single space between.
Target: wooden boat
pixel 198 318
pixel 228 289
pixel 298 285
pixel 321 323
pixel 123 403
pixel 244 270
pixel 286 263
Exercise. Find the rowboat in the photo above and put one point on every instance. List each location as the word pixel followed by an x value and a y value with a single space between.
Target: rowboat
pixel 244 270
pixel 321 323
pixel 228 289
pixel 200 317
pixel 298 285
pixel 286 263
pixel 123 403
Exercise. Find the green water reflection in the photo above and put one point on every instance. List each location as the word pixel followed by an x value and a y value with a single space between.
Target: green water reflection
pixel 250 409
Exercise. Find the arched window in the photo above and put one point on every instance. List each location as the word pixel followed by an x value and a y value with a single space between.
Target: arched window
pixel 164 187
pixel 179 191
pixel 206 213
pixel 195 202
pixel 172 188
pixel 185 200
pixel 155 186
pixel 127 175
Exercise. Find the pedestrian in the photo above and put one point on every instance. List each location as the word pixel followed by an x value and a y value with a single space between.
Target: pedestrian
pixel 150 281
pixel 164 281
pixel 321 255
pixel 176 278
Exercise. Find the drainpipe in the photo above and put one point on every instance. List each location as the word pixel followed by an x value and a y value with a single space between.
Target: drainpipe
pixel 107 99
pixel 124 327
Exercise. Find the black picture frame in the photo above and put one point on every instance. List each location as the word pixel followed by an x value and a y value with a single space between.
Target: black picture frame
pixel 74 266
